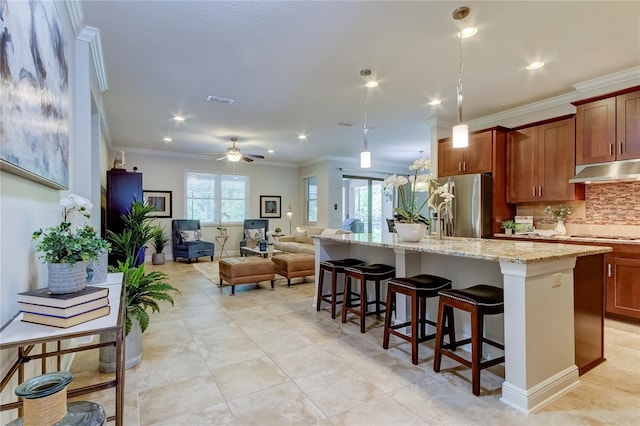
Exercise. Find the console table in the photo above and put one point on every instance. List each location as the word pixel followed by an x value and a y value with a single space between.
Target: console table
pixel 24 337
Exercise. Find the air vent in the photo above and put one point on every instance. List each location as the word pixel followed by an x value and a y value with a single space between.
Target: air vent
pixel 345 123
pixel 220 99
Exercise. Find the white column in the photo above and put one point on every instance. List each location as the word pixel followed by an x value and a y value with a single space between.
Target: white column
pixel 539 333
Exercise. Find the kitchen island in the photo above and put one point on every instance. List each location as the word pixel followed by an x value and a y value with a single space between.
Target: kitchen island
pixel 538 280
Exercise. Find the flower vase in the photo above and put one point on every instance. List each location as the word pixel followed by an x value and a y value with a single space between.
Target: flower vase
pixel 67 277
pixel 410 232
pixel 560 229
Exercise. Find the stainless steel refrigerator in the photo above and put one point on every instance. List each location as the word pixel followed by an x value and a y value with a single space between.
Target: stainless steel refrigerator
pixel 470 212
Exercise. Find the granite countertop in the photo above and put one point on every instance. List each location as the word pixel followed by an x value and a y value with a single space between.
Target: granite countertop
pixel 501 250
pixel 585 239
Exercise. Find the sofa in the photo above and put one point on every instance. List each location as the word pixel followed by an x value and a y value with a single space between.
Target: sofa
pixel 301 241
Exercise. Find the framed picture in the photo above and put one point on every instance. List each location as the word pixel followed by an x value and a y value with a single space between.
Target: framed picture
pixel 161 200
pixel 270 206
pixel 35 97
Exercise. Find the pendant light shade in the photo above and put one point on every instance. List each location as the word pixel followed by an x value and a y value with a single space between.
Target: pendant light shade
pixel 460 136
pixel 460 131
pixel 365 159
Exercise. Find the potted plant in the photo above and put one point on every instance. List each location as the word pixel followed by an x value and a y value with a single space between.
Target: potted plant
pixel 278 231
pixel 559 215
pixel 159 241
pixel 144 292
pixel 137 232
pixel 410 225
pixel 509 226
pixel 67 248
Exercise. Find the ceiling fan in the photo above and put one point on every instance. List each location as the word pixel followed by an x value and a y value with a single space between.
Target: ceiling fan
pixel 234 154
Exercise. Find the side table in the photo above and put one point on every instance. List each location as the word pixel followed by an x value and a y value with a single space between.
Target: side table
pixel 221 241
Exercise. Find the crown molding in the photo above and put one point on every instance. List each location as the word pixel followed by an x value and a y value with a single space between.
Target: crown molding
pixel 630 77
pixel 92 36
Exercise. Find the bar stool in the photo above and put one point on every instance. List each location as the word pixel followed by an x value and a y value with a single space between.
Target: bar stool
pixel 334 267
pixel 419 288
pixel 375 272
pixel 478 300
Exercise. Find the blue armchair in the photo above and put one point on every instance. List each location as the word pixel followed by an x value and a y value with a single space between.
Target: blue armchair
pixel 260 226
pixel 187 244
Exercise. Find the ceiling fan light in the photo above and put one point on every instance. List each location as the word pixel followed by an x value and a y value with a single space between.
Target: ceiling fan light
pixel 460 136
pixel 234 156
pixel 365 159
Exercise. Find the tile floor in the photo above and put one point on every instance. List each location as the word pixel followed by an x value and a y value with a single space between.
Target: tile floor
pixel 267 357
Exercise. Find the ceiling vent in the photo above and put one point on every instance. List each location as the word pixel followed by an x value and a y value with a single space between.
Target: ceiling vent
pixel 220 99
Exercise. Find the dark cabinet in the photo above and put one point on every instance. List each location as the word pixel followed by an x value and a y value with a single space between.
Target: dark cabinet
pixel 608 129
pixel 122 189
pixel 623 287
pixel 540 162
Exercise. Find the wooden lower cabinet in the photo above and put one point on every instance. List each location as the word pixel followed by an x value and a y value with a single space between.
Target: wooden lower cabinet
pixel 623 288
pixel 588 302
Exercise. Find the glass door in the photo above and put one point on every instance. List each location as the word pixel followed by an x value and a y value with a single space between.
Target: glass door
pixel 365 206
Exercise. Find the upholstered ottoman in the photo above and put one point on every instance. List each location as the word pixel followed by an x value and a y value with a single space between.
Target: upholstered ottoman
pixel 292 265
pixel 245 270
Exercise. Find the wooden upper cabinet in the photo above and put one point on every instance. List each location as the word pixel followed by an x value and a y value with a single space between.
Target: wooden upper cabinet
pixel 628 125
pixel 608 129
pixel 476 158
pixel 540 162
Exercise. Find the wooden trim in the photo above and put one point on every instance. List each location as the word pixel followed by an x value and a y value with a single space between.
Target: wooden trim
pixel 547 121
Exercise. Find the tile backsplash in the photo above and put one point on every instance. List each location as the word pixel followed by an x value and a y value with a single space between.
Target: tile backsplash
pixel 608 209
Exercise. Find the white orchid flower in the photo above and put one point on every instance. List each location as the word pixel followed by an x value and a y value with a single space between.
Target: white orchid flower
pixel 421 164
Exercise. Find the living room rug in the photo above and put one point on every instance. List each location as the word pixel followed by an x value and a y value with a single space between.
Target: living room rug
pixel 209 270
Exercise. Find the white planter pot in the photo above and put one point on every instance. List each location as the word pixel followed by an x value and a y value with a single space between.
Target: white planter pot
pixel 410 232
pixel 157 258
pixel 132 349
pixel 67 277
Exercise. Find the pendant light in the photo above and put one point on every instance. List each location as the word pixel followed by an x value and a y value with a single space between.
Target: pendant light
pixel 460 131
pixel 365 154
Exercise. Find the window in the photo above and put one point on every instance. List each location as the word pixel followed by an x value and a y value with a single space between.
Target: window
pixel 211 195
pixel 311 199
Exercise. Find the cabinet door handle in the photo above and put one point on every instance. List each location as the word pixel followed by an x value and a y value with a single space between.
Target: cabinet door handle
pixel 610 149
pixel 459 167
pixel 534 191
pixel 609 270
pixel 464 164
pixel 539 191
pixel 620 148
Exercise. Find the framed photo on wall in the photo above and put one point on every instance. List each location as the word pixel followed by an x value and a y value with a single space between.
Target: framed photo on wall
pixel 270 206
pixel 161 200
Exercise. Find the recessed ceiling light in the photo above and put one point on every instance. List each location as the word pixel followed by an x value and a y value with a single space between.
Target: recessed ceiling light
pixel 372 83
pixel 270 151
pixel 535 65
pixel 167 139
pixel 302 137
pixel 434 102
pixel 179 118
pixel 468 32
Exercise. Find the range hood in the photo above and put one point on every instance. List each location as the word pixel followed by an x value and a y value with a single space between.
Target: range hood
pixel 607 172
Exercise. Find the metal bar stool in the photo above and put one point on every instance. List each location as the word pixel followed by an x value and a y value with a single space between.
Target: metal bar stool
pixel 375 272
pixel 334 267
pixel 419 288
pixel 478 300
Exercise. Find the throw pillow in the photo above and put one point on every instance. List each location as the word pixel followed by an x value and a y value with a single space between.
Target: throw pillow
pixel 188 236
pixel 312 231
pixel 254 234
pixel 329 231
pixel 300 235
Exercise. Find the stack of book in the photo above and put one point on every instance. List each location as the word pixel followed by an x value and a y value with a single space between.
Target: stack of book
pixel 64 310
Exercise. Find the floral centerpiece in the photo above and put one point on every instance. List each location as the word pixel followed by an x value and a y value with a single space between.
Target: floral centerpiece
pixel 559 215
pixel 70 246
pixel 409 210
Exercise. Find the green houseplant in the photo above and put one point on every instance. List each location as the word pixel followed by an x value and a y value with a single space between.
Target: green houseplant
pixel 136 234
pixel 144 292
pixel 67 248
pixel 159 241
pixel 509 226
